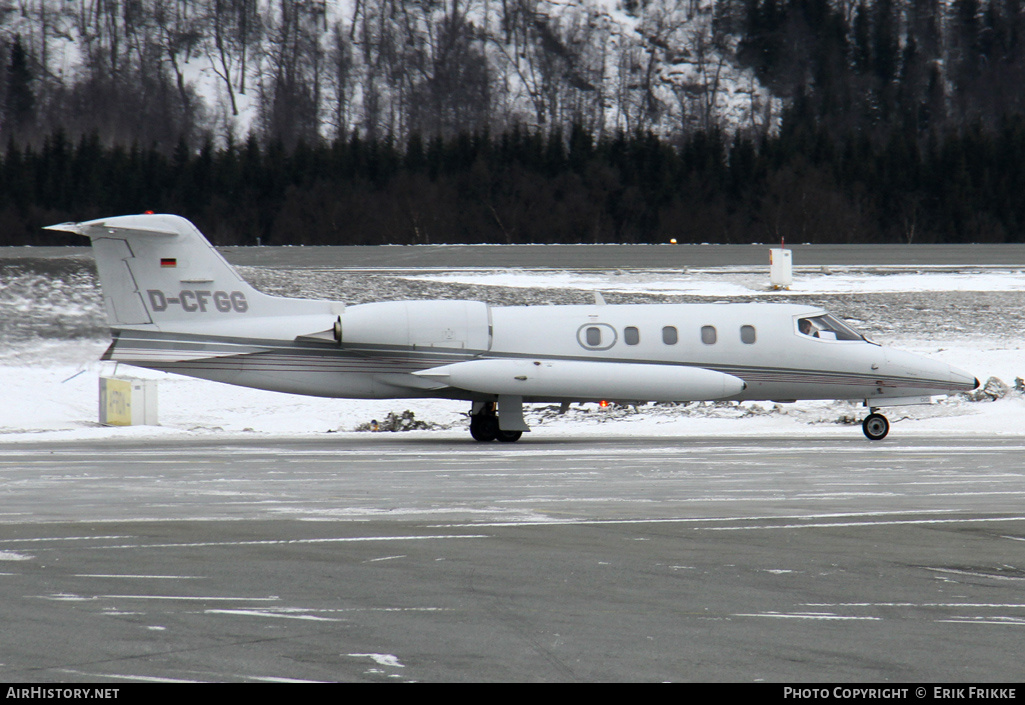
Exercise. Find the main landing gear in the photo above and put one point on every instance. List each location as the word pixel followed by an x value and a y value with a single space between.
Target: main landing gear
pixel 484 426
pixel 875 426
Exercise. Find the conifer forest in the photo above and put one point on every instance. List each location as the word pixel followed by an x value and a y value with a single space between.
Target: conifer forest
pixel 362 122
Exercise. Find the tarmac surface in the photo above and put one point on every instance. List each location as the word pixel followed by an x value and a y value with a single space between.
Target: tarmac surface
pixel 432 558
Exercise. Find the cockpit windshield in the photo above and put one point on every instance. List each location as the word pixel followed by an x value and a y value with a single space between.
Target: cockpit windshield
pixel 827 327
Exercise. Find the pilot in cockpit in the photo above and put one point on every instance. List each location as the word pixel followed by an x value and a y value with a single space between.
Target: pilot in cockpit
pixel 827 327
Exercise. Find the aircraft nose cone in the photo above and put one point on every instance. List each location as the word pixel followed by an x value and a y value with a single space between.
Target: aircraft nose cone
pixel 963 380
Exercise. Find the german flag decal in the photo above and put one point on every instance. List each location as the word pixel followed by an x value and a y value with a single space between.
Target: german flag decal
pixel 168 262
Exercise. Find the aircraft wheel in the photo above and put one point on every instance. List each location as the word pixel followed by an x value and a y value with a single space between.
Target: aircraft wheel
pixel 875 427
pixel 509 436
pixel 484 427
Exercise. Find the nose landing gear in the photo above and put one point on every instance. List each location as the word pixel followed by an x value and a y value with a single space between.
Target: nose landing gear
pixel 875 426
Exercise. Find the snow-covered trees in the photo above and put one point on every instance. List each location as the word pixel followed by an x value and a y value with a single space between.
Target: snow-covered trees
pixel 154 71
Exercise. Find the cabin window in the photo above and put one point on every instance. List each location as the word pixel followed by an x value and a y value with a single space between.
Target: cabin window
pixel 747 335
pixel 631 336
pixel 669 335
pixel 708 336
pixel 597 336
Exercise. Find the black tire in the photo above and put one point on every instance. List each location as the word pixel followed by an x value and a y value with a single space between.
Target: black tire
pixel 484 427
pixel 509 436
pixel 875 426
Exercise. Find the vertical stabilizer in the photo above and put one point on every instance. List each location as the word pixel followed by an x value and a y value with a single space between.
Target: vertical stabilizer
pixel 159 269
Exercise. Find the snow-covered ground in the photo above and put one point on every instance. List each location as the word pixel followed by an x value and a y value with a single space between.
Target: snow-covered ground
pixel 743 282
pixel 49 380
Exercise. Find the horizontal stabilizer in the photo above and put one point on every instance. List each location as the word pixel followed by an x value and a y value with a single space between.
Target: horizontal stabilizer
pixel 580 380
pixel 68 227
pixel 99 228
pixel 147 350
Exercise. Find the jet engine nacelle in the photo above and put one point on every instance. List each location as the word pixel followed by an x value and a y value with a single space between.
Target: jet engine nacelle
pixel 582 380
pixel 430 324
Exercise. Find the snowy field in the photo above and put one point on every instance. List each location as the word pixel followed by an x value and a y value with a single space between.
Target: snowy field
pixel 52 333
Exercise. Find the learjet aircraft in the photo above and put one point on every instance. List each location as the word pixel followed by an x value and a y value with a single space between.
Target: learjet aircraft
pixel 175 304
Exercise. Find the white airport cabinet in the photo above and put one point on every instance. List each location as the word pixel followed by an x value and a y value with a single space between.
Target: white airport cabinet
pixel 781 269
pixel 128 402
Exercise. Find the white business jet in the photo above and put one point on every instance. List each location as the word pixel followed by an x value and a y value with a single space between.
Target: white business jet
pixel 174 304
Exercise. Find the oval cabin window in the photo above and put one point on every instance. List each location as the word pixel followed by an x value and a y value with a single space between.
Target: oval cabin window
pixel 669 335
pixel 708 336
pixel 631 336
pixel 597 336
pixel 747 335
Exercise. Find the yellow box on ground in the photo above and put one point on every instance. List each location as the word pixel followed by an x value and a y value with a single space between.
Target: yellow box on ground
pixel 128 402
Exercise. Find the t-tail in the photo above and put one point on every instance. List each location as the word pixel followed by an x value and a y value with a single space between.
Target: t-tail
pixel 159 272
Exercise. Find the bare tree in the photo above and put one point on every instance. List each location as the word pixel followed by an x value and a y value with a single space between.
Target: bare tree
pixel 450 87
pixel 343 75
pixel 178 35
pixel 291 89
pixel 235 28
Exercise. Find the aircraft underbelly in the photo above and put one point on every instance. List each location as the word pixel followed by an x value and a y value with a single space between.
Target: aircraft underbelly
pixel 798 390
pixel 825 384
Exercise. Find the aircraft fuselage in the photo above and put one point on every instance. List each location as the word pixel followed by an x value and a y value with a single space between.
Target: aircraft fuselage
pixel 758 343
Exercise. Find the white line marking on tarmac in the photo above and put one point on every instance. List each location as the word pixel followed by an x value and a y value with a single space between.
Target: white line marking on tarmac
pixel 140 577
pixel 893 522
pixel 201 598
pixel 810 518
pixel 68 597
pixel 1006 621
pixel 778 615
pixel 945 605
pixel 976 573
pixel 126 677
pixel 280 679
pixel 63 538
pixel 273 614
pixel 287 542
